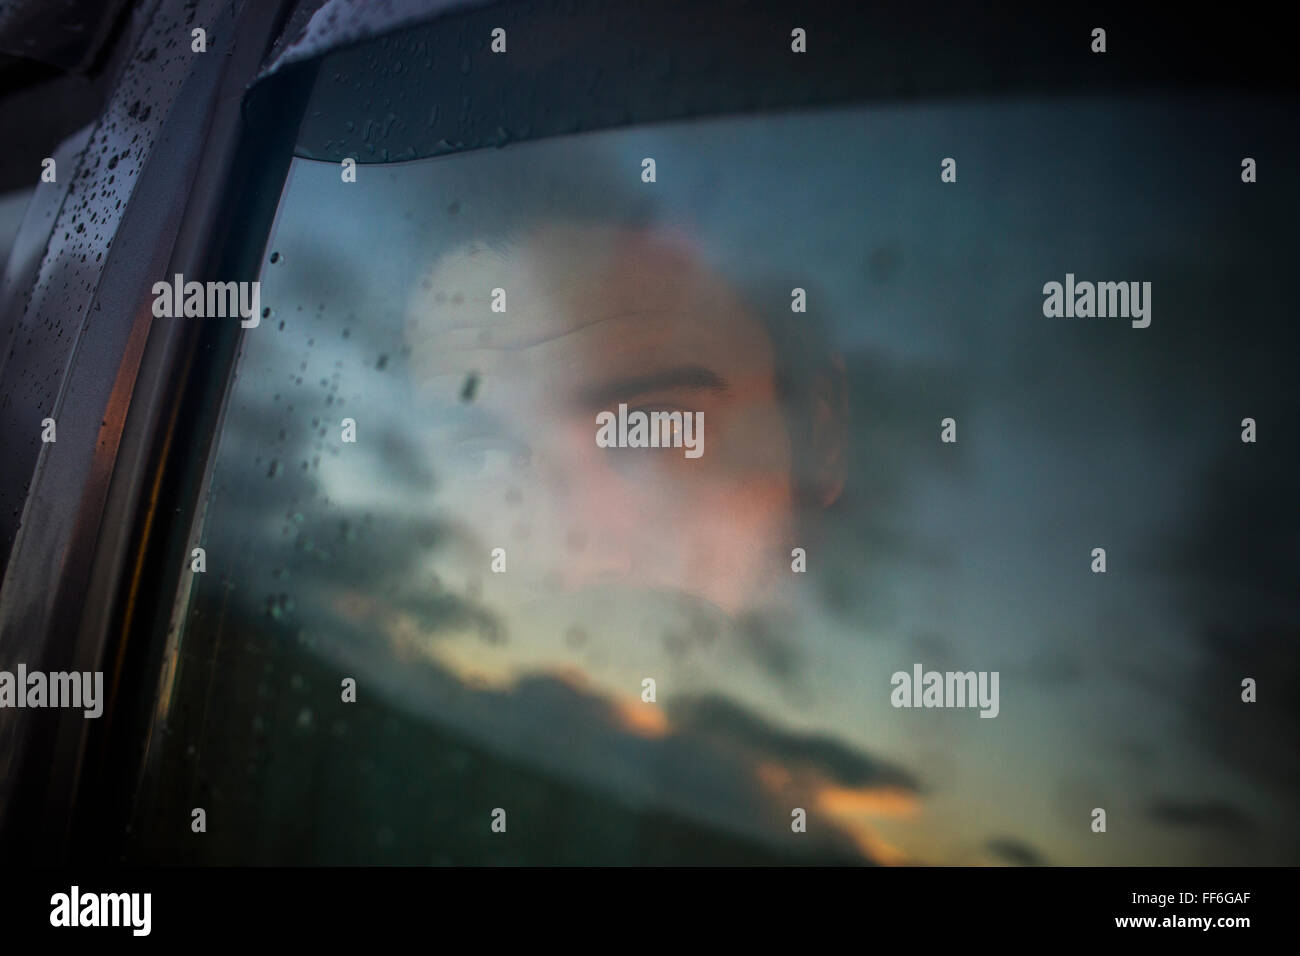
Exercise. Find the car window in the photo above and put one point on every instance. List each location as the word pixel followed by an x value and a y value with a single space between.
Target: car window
pixel 610 497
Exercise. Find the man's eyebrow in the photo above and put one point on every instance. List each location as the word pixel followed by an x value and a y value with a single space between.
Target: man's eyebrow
pixel 683 376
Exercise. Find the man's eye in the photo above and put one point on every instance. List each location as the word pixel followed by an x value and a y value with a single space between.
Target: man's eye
pixel 669 437
pixel 670 428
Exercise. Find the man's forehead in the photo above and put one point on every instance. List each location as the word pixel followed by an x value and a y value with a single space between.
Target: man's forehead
pixel 572 295
pixel 624 346
pixel 514 294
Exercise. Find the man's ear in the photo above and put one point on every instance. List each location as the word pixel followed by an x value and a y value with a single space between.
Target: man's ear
pixel 830 431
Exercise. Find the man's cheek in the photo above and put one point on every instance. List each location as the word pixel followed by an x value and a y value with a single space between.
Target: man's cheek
pixel 735 525
pixel 748 439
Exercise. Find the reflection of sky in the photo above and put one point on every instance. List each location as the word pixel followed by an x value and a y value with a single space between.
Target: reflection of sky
pixel 1073 434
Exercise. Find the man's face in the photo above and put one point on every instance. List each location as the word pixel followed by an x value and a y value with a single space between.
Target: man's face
pixel 595 317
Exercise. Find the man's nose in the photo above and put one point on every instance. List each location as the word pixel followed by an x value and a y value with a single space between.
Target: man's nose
pixel 595 522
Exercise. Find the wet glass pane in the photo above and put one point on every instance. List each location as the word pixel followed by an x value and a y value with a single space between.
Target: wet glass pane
pixel 521 430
